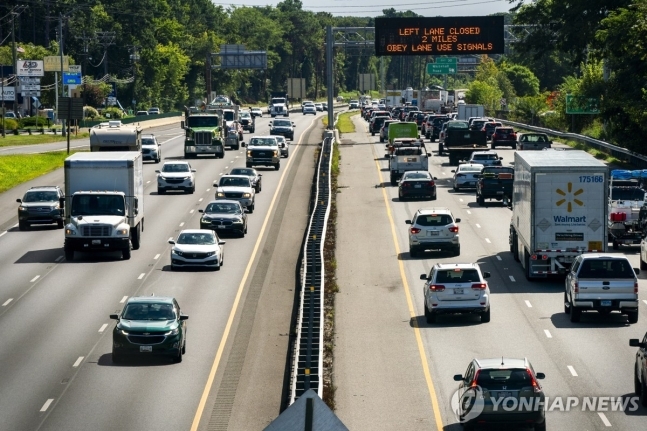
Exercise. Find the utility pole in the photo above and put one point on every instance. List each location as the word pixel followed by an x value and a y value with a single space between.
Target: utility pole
pixel 207 76
pixel 60 50
pixel 106 38
pixel 15 64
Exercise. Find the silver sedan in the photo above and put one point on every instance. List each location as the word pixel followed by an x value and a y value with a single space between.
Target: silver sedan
pixel 466 175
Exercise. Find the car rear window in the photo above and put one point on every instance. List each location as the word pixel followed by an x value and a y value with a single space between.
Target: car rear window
pixel 457 275
pixel 434 220
pixel 485 157
pixel 606 268
pixel 503 130
pixel 514 378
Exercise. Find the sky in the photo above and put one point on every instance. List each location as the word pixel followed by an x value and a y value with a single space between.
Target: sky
pixel 428 8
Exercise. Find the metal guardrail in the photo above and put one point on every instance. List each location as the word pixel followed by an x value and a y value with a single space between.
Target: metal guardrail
pixel 307 365
pixel 620 153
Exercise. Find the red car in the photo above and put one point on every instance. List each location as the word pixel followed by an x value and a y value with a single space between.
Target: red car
pixel 503 136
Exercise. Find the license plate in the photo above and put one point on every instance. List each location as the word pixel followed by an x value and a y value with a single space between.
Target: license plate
pixel 432 232
pixel 605 303
pixel 145 348
pixel 471 183
pixel 221 226
pixel 96 241
pixel 417 186
pixel 458 291
pixel 500 192
pixel 503 394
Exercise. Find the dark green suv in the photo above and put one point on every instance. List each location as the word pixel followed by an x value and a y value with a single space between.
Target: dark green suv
pixel 41 205
pixel 149 325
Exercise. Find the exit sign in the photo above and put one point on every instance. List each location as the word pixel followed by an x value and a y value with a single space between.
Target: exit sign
pixel 440 69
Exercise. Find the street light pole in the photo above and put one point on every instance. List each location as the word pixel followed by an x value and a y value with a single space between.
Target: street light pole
pixel 15 64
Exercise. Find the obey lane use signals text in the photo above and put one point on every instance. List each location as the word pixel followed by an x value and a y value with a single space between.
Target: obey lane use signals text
pixel 439 35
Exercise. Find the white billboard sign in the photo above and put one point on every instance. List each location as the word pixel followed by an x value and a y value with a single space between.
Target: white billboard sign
pixel 30 68
pixel 8 94
pixel 74 68
pixel 52 63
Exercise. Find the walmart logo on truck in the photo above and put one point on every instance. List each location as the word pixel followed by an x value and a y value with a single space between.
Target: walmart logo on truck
pixel 569 199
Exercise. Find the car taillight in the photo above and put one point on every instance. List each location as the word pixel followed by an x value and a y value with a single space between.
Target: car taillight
pixel 494 135
pixel 431 183
pixel 476 376
pixel 414 230
pixel 635 287
pixel 405 184
pixel 479 286
pixel 436 287
pixel 459 175
pixel 535 385
pixel 483 129
pixel 453 229
pixel 576 287
pixel 514 135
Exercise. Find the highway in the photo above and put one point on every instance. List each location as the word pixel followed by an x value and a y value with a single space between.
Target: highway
pixel 57 372
pixel 394 371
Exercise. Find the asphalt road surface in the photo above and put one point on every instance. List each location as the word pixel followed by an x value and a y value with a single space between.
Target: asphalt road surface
pixel 393 371
pixel 56 336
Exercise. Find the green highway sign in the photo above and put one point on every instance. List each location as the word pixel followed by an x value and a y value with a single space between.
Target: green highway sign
pixel 447 60
pixel 582 105
pixel 440 69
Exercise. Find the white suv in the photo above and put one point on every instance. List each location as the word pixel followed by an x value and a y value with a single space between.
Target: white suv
pixel 433 229
pixel 176 175
pixel 486 158
pixel 456 288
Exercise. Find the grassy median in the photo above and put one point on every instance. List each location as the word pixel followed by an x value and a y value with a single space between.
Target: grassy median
pixel 11 140
pixel 344 123
pixel 19 168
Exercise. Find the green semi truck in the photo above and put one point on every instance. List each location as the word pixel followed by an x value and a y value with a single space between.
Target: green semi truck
pixel 204 135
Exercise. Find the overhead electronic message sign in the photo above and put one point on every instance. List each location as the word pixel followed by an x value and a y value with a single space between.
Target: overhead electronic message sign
pixel 439 36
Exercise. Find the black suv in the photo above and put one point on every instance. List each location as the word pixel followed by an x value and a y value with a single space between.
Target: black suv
pixel 41 205
pixel 640 370
pixel 500 391
pixel 437 125
pixel 282 128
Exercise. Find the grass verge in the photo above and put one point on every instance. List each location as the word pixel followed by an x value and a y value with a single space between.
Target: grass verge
pixel 37 138
pixel 344 123
pixel 19 168
pixel 331 289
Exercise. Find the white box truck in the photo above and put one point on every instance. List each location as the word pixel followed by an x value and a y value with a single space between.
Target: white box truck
pixel 559 209
pixel 104 202
pixel 465 112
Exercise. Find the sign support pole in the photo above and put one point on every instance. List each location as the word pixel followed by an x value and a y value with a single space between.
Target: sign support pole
pixel 67 123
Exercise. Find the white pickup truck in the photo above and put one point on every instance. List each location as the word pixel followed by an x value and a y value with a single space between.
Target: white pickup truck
pixel 408 155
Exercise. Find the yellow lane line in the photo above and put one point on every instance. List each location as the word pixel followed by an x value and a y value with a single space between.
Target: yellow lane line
pixel 230 320
pixel 412 311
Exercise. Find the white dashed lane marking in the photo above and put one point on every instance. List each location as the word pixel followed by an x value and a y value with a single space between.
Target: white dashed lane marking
pixel 147 182
pixel 548 334
pixel 170 238
pixel 511 278
pixel 123 299
pixel 528 304
pixel 181 224
pixel 157 256
pixel 103 327
pixel 461 200
pixel 34 279
pixel 488 240
pixel 3 233
pixel 469 212
pixel 572 370
pixel 478 225
pixel 498 258
pixel 200 200
pixel 605 421
pixel 78 362
pixel 191 212
pixel 46 405
pixel 7 302
pixel 142 275
pixel 58 259
pixel 645 301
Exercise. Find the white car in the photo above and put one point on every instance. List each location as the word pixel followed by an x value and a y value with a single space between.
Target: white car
pixel 256 112
pixel 154 111
pixel 197 247
pixel 452 288
pixel 485 158
pixel 309 108
pixel 238 188
pixel 433 229
pixel 151 149
pixel 283 145
pixel 319 107
pixel 175 175
pixel 353 104
pixel 466 175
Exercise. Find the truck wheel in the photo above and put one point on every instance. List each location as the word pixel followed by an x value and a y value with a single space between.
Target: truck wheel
pixel 372 133
pixel 135 237
pixel 413 252
pixel 576 313
pixel 235 147
pixel 643 264
pixel 493 146
pixel 567 305
pixel 23 225
pixel 430 316
pixel 440 149
pixel 527 269
pixel 616 245
pixel 251 207
pixel 161 191
pixel 480 200
pixel 125 253
pixel 485 316
pixel 632 316
pixel 249 165
pixel 381 139
pixel 457 251
pixel 69 254
pixel 277 166
pixel 60 224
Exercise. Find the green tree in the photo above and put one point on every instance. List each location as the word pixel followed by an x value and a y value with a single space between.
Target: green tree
pixel 522 78
pixel 484 93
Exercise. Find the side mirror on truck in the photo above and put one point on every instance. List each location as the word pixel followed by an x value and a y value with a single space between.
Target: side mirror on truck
pixel 242 144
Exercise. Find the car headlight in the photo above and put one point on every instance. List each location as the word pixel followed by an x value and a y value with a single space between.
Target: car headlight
pixel 122 331
pixel 160 177
pixel 70 232
pixel 22 208
pixel 176 251
pixel 210 253
pixel 276 153
pixel 238 221
pixel 123 231
pixel 247 195
pixel 249 154
pixel 173 331
pixel 220 194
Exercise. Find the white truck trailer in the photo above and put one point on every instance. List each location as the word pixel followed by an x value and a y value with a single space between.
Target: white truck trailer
pixel 104 202
pixel 467 111
pixel 115 136
pixel 559 209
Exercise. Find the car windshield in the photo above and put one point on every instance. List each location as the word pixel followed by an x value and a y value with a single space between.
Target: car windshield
pixel 228 115
pixel 434 220
pixel 281 123
pixel 202 121
pixel 457 125
pixel 514 378
pixel 627 194
pixel 457 275
pixel 148 141
pixel 484 157
pixel 196 238
pixel 245 115
pixel 534 138
pixel 223 208
pixel 40 197
pixel 243 171
pixel 87 205
pixel 492 125
pixel 149 311
pixel 606 268
pixel 234 182
pixel 175 167
pixel 470 168
pixel 415 176
pixel 260 142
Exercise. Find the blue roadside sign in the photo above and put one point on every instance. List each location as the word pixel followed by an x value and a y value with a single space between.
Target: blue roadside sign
pixel 70 78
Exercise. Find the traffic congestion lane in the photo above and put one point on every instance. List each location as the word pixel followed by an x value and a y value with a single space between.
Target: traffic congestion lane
pixel 501 240
pixel 105 276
